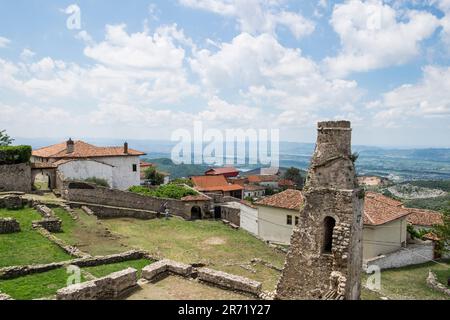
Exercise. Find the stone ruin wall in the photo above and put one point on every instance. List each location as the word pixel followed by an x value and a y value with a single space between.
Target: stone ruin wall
pixel 330 191
pixel 15 177
pixel 9 225
pixel 125 199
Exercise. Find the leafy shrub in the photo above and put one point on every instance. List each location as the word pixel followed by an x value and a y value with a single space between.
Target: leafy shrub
pixel 15 154
pixel 98 181
pixel 183 181
pixel 170 191
pixel 154 176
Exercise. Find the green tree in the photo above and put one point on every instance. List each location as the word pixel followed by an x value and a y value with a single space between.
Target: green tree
pixel 294 175
pixel 154 176
pixel 443 232
pixel 5 139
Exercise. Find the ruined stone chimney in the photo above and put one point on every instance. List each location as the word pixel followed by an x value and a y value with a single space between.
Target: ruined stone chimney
pixel 325 256
pixel 125 148
pixel 70 146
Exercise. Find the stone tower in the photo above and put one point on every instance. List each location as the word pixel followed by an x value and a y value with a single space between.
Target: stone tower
pixel 325 257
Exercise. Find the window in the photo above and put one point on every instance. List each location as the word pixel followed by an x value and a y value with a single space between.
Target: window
pixel 289 220
pixel 328 227
pixel 297 220
pixel 134 167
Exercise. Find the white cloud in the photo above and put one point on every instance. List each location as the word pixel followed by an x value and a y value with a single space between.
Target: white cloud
pixel 256 16
pixel 4 42
pixel 27 54
pixel 373 35
pixel 266 74
pixel 429 98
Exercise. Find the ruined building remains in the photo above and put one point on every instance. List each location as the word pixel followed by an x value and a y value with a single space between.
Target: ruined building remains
pixel 325 257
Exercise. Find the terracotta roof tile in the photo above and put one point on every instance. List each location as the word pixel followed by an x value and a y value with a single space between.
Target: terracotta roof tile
pixel 83 150
pixel 423 217
pixel 262 178
pixel 220 171
pixel 252 187
pixel 379 209
pixel 288 199
pixel 286 182
pixel 214 183
pixel 200 197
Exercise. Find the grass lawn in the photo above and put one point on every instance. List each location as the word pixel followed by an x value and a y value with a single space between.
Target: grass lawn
pixel 209 242
pixel 35 286
pixel 410 282
pixel 88 234
pixel 104 270
pixel 27 246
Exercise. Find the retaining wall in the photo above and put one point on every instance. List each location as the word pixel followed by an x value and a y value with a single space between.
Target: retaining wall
pixel 411 255
pixel 15 177
pixel 124 199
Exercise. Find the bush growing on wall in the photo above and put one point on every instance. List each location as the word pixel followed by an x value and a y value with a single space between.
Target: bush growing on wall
pixel 15 154
pixel 170 191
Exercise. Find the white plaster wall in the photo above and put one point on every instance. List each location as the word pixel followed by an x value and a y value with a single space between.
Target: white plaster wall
pixel 249 219
pixel 83 169
pixel 384 239
pixel 123 175
pixel 272 224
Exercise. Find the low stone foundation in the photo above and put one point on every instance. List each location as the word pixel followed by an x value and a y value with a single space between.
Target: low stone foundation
pixel 434 284
pixel 229 281
pixel 73 251
pixel 9 225
pixel 51 225
pixel 153 271
pixel 112 286
pixel 19 271
pixel 12 202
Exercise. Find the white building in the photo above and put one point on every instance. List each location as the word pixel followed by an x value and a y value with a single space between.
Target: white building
pixel 78 160
pixel 278 214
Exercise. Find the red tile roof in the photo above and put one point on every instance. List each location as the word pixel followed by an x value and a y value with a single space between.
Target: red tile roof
pixel 200 197
pixel 222 171
pixel 262 178
pixel 379 209
pixel 426 218
pixel 144 164
pixel 214 183
pixel 83 150
pixel 286 183
pixel 288 199
pixel 252 187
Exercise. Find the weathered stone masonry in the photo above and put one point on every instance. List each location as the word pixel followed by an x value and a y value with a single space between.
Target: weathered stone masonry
pixel 325 257
pixel 9 225
pixel 15 177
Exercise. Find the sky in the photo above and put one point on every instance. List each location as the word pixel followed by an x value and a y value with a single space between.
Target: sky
pixel 143 69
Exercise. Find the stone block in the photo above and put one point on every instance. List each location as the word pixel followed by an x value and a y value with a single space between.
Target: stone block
pixel 155 269
pixel 9 225
pixel 82 291
pixel 229 281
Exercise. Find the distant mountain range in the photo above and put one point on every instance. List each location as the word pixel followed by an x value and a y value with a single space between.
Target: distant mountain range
pixel 396 163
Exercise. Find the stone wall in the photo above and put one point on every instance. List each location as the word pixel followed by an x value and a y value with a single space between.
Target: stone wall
pixel 328 239
pixel 13 202
pixel 162 267
pixel 229 281
pixel 9 225
pixel 19 271
pixel 15 177
pixel 112 286
pixel 124 199
pixel 434 284
pixel 413 254
pixel 104 212
pixel 231 214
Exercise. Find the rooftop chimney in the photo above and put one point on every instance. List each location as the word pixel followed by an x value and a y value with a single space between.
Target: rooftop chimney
pixel 70 146
pixel 125 148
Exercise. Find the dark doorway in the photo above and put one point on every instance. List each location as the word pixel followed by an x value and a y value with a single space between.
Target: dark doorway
pixel 217 212
pixel 328 227
pixel 196 213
